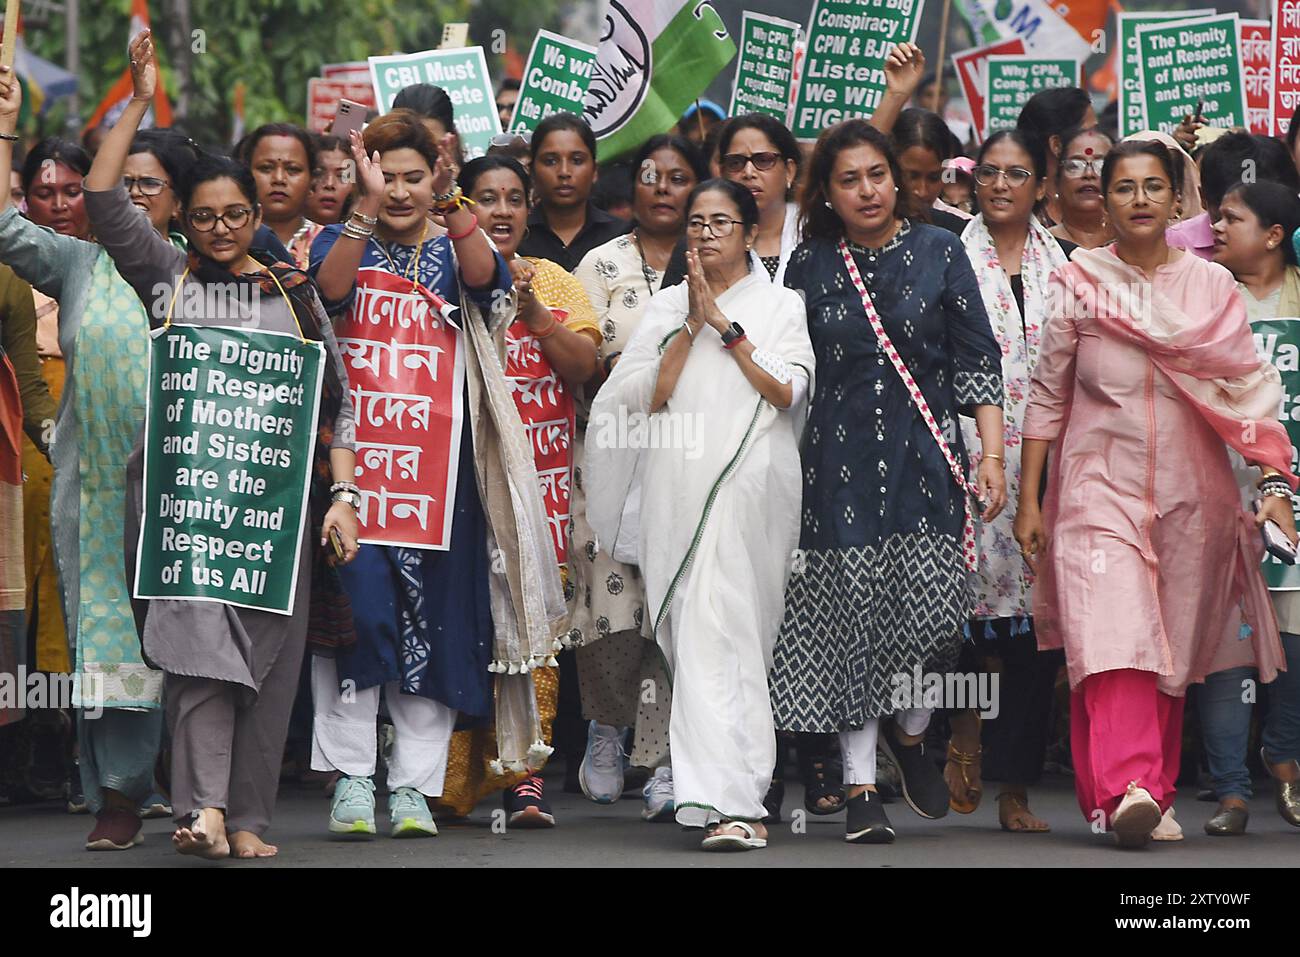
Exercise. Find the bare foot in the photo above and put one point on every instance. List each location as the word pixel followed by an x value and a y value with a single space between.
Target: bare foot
pixel 1014 815
pixel 246 845
pixel 206 837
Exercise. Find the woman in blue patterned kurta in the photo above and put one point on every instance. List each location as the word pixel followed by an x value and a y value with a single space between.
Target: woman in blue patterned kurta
pixel 880 584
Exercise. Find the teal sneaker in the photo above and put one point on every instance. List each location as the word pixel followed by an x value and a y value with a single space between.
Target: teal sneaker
pixel 353 812
pixel 410 814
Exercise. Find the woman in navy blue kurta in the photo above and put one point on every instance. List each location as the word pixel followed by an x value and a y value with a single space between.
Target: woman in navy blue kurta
pixel 423 617
pixel 879 583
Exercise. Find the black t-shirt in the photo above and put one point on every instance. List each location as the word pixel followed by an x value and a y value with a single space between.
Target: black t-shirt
pixel 542 243
pixel 1018 284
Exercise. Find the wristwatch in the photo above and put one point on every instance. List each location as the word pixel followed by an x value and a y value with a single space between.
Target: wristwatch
pixel 732 333
pixel 352 498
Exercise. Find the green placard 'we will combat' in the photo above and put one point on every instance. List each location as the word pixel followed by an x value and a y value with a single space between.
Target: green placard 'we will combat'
pixel 230 431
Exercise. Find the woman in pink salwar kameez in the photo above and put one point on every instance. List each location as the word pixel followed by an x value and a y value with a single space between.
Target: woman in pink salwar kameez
pixel 1148 568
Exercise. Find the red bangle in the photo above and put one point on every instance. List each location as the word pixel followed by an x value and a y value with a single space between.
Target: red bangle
pixel 549 329
pixel 735 342
pixel 469 232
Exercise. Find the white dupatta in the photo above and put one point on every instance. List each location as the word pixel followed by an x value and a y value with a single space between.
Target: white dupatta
pixel 1001 587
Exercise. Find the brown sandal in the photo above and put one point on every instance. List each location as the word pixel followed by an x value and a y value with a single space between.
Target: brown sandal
pixel 1019 803
pixel 973 792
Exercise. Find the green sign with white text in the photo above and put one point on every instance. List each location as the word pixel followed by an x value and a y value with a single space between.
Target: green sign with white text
pixel 230 431
pixel 1189 63
pixel 1011 80
pixel 765 69
pixel 555 80
pixel 1278 341
pixel 462 72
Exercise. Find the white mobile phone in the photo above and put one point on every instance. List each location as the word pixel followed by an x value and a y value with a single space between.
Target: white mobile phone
pixel 1276 542
pixel 350 116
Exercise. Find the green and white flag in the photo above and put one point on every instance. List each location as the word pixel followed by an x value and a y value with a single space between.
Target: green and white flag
pixel 654 58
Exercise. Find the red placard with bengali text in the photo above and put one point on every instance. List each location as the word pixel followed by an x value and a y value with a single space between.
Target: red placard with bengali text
pixel 323 99
pixel 1255 39
pixel 406 375
pixel 546 407
pixel 1284 70
pixel 970 66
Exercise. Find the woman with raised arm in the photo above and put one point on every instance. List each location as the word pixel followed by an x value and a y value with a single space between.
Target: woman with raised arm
pixel 453 616
pixel 230 672
pixel 1147 571
pixel 102 329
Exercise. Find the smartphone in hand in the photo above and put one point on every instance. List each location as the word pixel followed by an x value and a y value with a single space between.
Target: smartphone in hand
pixel 349 116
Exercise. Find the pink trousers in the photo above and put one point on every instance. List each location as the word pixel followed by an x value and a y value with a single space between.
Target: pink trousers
pixel 1122 729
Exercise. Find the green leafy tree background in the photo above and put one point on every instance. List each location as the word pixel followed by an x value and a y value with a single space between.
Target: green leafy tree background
pixel 274 47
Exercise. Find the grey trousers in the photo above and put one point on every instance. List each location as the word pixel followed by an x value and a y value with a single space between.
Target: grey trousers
pixel 227 746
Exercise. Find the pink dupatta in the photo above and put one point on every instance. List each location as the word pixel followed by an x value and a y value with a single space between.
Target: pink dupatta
pixel 1211 360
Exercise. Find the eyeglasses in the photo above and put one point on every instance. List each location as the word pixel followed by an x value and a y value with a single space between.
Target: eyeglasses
pixel 988 175
pixel 205 220
pixel 510 139
pixel 1155 190
pixel 148 185
pixel 719 226
pixel 1075 168
pixel 736 162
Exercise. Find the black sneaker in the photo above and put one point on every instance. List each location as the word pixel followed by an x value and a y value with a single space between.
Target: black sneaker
pixel 867 821
pixel 923 786
pixel 526 805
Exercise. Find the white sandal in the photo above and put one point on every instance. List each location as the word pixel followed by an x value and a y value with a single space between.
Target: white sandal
pixel 719 841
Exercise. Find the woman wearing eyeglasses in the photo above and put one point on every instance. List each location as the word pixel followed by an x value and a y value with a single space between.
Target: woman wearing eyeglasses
pixel 1013 255
pixel 230 673
pixel 878 593
pixel 761 154
pixel 712 521
pixel 1078 189
pixel 283 159
pixel 1147 571
pixel 101 327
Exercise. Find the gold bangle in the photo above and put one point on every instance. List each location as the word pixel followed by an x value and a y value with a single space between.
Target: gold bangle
pixel 993 455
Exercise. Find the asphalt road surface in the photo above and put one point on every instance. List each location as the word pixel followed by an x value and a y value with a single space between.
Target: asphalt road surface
pixel 591 835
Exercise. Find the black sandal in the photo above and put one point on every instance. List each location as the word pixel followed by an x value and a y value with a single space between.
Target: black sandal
pixel 822 779
pixel 772 802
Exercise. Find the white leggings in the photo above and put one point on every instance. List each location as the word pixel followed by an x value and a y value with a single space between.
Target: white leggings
pixel 858 748
pixel 343 732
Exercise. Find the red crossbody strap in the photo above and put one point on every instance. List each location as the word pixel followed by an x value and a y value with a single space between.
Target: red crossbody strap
pixel 967 487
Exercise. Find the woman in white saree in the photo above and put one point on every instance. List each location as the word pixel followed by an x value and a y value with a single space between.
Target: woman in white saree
pixel 693 473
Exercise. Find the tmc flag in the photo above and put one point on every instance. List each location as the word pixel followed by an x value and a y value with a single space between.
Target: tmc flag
pixel 654 58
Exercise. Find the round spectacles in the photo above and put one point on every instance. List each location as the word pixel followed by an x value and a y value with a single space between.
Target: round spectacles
pixel 1155 190
pixel 736 162
pixel 988 175
pixel 148 185
pixel 1075 168
pixel 719 226
pixel 205 220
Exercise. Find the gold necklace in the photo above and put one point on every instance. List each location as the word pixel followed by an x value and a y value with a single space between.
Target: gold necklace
pixel 415 260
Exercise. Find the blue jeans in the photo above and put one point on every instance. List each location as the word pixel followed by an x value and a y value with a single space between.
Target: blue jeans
pixel 1225 721
pixel 1281 737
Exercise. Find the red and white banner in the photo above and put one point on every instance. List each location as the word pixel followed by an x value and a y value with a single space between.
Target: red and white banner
pixel 1255 39
pixel 546 408
pixel 406 370
pixel 1284 70
pixel 323 99
pixel 970 66
pixel 358 72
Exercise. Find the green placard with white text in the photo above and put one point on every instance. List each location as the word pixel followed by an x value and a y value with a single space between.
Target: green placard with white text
pixel 1190 62
pixel 765 68
pixel 555 80
pixel 230 433
pixel 1132 115
pixel 843 72
pixel 462 72
pixel 1009 82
